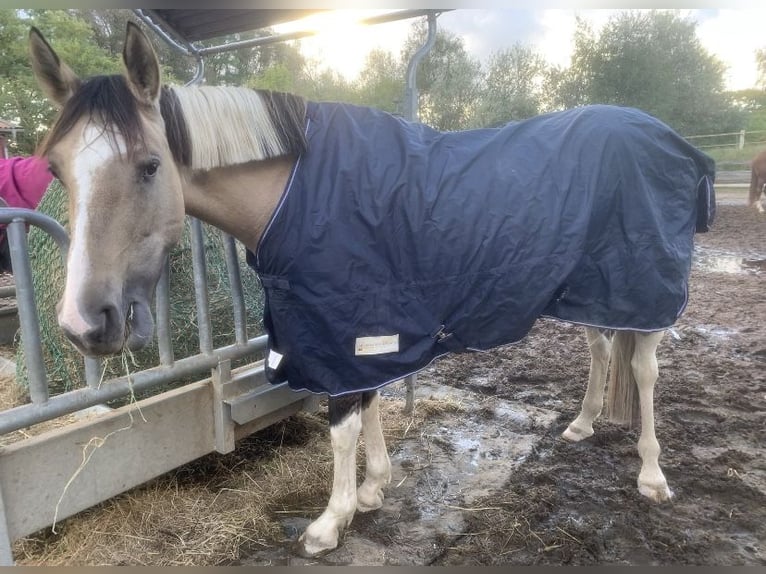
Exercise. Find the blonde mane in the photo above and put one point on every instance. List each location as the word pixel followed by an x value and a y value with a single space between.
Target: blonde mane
pixel 228 125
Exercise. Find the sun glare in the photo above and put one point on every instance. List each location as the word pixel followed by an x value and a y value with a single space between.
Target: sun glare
pixel 342 42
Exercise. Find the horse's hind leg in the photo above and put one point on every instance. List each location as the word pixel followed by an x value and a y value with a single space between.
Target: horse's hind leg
pixel 600 345
pixel 345 426
pixel 378 468
pixel 651 480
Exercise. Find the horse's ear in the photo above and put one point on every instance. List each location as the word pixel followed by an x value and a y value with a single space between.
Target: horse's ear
pixel 56 79
pixel 141 65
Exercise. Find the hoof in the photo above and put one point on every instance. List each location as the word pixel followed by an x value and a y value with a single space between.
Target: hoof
pixel 305 547
pixel 656 492
pixel 574 434
pixel 369 502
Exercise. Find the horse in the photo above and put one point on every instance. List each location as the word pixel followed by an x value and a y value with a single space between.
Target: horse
pixel 757 181
pixel 282 176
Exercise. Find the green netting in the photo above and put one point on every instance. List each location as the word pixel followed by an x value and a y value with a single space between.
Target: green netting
pixel 64 364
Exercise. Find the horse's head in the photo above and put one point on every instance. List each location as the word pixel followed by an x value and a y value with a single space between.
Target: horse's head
pixel 109 148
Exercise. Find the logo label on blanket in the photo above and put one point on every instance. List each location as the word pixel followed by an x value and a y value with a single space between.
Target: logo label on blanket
pixel 274 359
pixel 377 345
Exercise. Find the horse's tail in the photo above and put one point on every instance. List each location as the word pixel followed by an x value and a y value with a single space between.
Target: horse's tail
pixel 622 404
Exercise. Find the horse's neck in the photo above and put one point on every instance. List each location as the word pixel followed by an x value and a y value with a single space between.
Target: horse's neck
pixel 238 199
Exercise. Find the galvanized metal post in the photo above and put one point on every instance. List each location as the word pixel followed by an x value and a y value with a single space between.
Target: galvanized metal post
pixel 411 113
pixel 237 294
pixel 224 425
pixel 162 307
pixel 411 89
pixel 28 319
pixel 200 287
pixel 6 552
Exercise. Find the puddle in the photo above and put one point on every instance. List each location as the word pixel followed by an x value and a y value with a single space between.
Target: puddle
pixel 439 475
pixel 718 262
pixel 715 332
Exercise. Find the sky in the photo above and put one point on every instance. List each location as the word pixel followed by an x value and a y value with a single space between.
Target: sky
pixel 732 35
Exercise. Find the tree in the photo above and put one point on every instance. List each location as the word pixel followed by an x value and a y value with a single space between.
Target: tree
pixel 381 82
pixel 513 86
pixel 108 27
pixel 760 60
pixel 566 88
pixel 323 85
pixel 652 60
pixel 20 98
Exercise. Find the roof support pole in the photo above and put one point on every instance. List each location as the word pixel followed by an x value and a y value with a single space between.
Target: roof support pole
pixel 411 113
pixel 411 90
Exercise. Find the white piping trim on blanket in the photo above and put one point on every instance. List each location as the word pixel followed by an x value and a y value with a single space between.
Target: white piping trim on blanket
pixel 476 350
pixel 285 193
pixel 381 385
pixel 708 194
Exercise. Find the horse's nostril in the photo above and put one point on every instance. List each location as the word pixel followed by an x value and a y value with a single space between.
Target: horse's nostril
pixel 100 331
pixel 108 316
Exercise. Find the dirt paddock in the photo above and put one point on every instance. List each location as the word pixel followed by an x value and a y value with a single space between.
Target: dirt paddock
pixel 485 478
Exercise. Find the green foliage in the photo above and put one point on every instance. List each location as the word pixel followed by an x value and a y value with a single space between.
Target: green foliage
pixel 381 82
pixel 760 60
pixel 20 98
pixel 653 61
pixel 513 87
pixel 276 77
pixel 324 86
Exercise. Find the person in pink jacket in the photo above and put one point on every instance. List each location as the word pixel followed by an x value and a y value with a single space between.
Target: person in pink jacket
pixel 23 182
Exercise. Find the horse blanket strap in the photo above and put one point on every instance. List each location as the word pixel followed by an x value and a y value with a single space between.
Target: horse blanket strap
pixel 394 243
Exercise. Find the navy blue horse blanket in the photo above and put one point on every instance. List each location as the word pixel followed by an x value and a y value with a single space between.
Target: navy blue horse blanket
pixel 394 243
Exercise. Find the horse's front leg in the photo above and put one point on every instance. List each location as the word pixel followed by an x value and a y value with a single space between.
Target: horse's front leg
pixel 378 465
pixel 345 424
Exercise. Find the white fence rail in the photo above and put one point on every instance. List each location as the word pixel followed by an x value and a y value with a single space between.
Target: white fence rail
pixel 736 140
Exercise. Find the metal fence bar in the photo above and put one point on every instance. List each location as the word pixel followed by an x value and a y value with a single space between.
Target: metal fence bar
pixel 6 551
pixel 237 294
pixel 162 310
pixel 78 399
pixel 93 372
pixel 200 287
pixel 44 222
pixel 43 407
pixel 28 319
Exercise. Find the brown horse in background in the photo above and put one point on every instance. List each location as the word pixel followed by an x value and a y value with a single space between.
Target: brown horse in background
pixel 757 181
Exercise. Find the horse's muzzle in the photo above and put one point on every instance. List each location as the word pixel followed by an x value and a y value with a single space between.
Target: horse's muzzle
pixel 110 330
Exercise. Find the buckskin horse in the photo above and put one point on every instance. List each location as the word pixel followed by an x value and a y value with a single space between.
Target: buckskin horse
pixel 381 244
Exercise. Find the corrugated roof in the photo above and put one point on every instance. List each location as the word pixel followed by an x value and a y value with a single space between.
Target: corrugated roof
pixel 190 26
pixel 195 25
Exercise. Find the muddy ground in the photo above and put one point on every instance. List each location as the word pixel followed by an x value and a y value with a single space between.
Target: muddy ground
pixel 579 502
pixel 469 496
pixel 487 479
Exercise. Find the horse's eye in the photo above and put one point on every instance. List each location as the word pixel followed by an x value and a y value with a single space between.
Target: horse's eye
pixel 150 169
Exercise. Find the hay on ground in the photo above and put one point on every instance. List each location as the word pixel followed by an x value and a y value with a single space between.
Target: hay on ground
pixel 220 508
